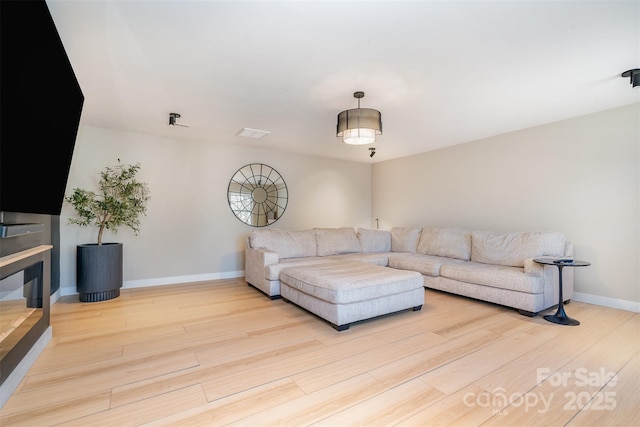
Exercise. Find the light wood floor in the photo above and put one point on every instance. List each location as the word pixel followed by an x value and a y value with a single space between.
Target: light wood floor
pixel 221 353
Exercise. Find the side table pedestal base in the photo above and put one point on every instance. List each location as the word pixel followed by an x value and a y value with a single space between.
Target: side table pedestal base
pixel 561 317
pixel 561 320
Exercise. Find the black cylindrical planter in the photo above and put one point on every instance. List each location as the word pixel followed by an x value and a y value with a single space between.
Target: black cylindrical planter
pixel 99 271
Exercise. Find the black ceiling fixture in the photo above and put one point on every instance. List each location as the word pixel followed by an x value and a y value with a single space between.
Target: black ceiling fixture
pixel 173 120
pixel 359 126
pixel 634 76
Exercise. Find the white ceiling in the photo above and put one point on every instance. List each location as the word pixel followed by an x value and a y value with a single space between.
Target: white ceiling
pixel 441 72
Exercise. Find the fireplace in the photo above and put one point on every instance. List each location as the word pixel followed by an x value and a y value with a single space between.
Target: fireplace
pixel 20 305
pixel 24 306
pixel 25 288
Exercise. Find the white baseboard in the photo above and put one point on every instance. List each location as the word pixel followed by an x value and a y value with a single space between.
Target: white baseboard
pixel 620 304
pixel 159 281
pixel 55 297
pixel 129 284
pixel 15 377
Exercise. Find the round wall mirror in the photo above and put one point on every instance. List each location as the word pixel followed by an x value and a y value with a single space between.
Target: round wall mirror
pixel 257 195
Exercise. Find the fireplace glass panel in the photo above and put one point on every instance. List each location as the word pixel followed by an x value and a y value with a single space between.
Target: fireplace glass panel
pixel 20 305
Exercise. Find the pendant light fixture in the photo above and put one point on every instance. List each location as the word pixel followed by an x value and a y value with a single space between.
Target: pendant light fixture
pixel 359 126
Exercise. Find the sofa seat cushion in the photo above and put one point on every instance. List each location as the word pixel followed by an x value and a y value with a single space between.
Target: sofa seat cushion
pixel 512 249
pixel 343 282
pixel 423 264
pixel 288 244
pixel 272 271
pixel 333 241
pixel 497 276
pixel 375 258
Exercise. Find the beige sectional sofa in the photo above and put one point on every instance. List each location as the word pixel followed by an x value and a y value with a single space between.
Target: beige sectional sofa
pixel 485 265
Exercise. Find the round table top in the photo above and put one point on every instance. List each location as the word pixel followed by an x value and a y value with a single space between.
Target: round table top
pixel 565 262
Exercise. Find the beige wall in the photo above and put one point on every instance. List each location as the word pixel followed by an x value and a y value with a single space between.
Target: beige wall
pixel 189 232
pixel 578 176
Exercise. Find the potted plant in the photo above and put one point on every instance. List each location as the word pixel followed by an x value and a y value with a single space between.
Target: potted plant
pixel 120 201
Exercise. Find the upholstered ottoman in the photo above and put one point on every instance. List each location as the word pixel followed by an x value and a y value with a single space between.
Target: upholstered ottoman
pixel 343 292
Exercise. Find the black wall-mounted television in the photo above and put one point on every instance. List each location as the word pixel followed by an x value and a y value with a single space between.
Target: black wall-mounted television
pixel 41 104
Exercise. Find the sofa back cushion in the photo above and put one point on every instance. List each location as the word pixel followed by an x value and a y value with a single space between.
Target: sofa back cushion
pixel 334 241
pixel 405 239
pixel 288 244
pixel 446 242
pixel 374 240
pixel 512 249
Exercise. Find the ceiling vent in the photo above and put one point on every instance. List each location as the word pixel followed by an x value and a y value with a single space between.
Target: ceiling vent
pixel 252 133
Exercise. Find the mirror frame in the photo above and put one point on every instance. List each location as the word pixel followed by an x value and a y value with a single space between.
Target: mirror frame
pixel 257 195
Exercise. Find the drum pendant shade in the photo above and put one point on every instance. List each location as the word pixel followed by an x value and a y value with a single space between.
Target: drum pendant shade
pixel 359 126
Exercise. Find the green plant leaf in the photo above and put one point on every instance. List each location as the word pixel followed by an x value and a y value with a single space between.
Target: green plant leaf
pixel 120 201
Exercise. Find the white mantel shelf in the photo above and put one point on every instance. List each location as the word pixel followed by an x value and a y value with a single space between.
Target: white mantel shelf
pixel 10 259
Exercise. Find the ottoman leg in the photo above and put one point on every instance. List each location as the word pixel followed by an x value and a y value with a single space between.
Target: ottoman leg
pixel 417 308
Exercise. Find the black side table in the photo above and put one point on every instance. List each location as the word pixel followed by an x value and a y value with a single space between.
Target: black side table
pixel 561 317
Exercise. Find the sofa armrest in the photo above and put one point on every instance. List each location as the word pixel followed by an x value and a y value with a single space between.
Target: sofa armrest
pixel 255 261
pixel 532 267
pixel 552 282
pixel 551 278
pixel 264 256
pixel 568 249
